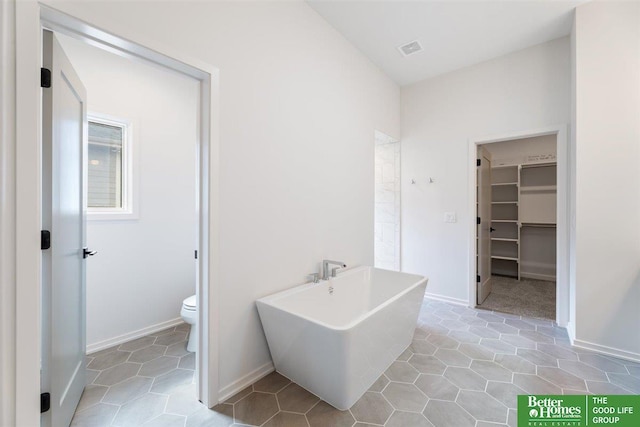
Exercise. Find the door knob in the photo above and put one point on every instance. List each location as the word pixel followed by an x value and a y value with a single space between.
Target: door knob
pixel 87 253
pixel 491 229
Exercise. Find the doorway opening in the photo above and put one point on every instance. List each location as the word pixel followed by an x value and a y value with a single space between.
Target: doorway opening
pixel 387 203
pixel 141 226
pixel 517 192
pixel 520 225
pixel 201 159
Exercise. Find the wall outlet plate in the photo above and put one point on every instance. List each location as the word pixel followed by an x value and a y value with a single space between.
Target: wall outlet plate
pixel 450 217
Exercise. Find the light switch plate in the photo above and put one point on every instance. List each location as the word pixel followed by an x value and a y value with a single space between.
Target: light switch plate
pixel 450 217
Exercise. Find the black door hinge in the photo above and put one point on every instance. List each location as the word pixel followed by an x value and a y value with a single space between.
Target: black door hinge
pixel 478 279
pixel 45 77
pixel 478 162
pixel 45 239
pixel 478 220
pixel 45 402
pixel 196 253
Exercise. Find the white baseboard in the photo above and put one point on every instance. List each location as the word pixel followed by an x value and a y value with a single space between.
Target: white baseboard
pixel 610 351
pixel 444 298
pixel 244 382
pixel 536 276
pixel 92 348
pixel 571 331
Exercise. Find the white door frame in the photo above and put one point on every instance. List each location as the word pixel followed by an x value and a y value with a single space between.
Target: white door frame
pixel 31 18
pixel 563 314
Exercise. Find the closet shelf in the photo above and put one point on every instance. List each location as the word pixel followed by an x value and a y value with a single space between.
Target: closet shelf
pixel 538 188
pixel 540 165
pixel 507 258
pixel 521 195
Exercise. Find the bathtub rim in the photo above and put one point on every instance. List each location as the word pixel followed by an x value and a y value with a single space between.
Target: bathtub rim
pixel 269 299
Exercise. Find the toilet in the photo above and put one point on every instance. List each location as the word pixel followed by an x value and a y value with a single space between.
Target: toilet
pixel 189 314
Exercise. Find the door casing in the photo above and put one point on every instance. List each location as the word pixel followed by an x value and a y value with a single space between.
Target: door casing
pixel 31 18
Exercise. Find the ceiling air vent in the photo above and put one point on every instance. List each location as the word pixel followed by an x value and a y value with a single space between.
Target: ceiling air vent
pixel 410 48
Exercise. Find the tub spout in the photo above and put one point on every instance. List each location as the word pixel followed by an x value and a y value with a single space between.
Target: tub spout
pixel 325 268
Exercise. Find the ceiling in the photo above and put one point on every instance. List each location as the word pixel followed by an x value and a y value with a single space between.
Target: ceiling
pixel 453 34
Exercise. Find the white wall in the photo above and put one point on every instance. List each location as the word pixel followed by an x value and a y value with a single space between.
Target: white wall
pixel 525 90
pixel 571 326
pixel 145 267
pixel 299 106
pixel 607 148
pixel 523 150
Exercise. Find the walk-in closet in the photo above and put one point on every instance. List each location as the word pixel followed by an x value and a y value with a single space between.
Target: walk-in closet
pixel 522 227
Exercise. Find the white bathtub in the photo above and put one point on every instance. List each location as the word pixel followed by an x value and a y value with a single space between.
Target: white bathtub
pixel 336 337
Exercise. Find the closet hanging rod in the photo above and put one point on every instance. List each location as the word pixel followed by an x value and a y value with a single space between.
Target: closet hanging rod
pixel 539 225
pixel 540 165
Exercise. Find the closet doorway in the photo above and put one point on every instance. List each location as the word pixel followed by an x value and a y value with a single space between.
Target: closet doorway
pixel 517 226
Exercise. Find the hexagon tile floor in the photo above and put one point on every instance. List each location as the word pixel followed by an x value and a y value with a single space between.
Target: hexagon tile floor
pixel 464 368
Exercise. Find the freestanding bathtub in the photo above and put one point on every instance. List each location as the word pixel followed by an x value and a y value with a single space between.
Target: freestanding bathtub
pixel 336 337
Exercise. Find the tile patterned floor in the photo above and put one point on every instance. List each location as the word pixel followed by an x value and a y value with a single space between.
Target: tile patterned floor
pixel 465 367
pixel 524 297
pixel 146 382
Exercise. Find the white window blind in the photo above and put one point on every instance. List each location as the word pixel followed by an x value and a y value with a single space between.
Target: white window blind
pixel 105 168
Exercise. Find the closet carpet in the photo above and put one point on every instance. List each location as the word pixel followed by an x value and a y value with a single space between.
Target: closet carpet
pixel 527 297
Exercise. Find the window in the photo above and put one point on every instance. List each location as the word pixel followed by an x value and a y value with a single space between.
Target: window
pixel 109 189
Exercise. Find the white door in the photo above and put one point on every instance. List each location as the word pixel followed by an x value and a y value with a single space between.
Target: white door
pixel 63 282
pixel 484 228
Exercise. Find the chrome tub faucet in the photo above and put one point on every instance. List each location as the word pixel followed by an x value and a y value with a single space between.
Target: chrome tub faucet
pixel 325 268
